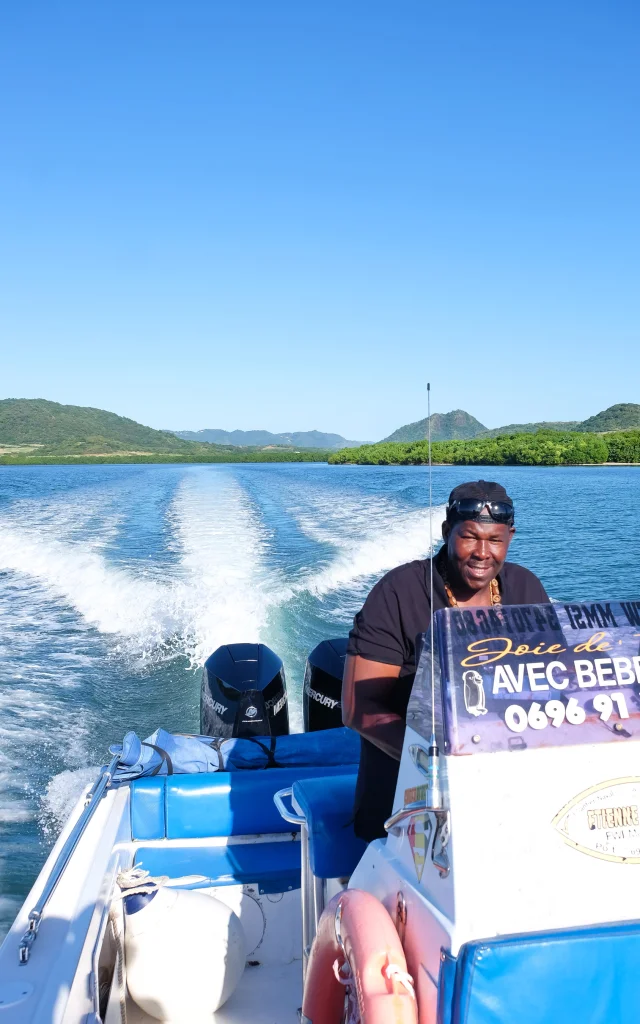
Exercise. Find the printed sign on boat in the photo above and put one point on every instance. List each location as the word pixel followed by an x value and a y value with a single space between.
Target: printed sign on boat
pixel 540 675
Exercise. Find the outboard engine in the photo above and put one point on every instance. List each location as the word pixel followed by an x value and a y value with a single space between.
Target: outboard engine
pixel 322 691
pixel 243 693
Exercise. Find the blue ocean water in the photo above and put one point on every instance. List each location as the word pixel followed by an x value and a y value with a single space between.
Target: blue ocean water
pixel 116 582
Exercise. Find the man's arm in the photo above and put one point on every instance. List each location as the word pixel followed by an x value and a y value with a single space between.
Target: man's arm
pixel 366 689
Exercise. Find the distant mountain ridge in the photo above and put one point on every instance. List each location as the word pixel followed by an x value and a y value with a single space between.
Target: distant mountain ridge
pixel 297 438
pixel 459 425
pixel 76 430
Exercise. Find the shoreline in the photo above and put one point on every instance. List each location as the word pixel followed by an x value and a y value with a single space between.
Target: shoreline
pixel 168 460
pixel 149 460
pixel 491 465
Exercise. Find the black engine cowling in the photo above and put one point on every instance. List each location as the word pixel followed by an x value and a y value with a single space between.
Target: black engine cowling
pixel 322 690
pixel 244 693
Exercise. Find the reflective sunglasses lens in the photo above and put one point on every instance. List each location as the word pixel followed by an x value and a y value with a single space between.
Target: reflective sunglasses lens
pixel 468 506
pixel 500 508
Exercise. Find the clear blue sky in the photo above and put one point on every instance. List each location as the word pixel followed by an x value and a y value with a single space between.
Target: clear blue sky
pixel 288 215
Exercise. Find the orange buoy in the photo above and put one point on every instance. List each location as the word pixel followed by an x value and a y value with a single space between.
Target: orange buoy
pixel 357 947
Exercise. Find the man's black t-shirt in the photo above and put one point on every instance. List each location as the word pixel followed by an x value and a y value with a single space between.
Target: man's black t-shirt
pixel 395 612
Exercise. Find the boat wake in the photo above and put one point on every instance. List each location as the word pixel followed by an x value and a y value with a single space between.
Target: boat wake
pixel 220 587
pixel 213 592
pixel 367 550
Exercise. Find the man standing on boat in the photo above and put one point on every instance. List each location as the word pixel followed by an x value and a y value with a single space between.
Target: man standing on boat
pixel 470 569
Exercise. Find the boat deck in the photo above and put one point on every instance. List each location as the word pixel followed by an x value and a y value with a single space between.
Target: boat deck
pixel 267 994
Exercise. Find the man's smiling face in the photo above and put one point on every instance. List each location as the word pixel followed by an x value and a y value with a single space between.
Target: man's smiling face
pixel 476 551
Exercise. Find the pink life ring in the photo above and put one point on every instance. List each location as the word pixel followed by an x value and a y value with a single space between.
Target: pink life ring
pixel 358 946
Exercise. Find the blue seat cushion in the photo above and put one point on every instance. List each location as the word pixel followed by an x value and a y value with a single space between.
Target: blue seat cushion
pixel 214 804
pixel 327 804
pixel 147 808
pixel 587 975
pixel 274 866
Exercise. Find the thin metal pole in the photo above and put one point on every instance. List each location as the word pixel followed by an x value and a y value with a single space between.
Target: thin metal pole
pixel 434 795
pixel 433 672
pixel 305 885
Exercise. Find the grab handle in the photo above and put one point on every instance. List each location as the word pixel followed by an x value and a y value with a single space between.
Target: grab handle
pixel 405 812
pixel 291 816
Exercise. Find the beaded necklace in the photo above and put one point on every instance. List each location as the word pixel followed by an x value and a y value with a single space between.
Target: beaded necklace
pixel 494 591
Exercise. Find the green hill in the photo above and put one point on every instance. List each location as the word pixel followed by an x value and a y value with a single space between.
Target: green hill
pixel 625 416
pixel 35 421
pixel 450 426
pixel 532 428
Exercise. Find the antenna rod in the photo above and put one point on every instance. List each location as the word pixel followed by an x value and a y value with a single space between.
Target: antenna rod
pixel 433 677
pixel 434 793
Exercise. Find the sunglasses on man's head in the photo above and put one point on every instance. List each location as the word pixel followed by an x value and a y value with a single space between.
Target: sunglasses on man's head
pixel 472 508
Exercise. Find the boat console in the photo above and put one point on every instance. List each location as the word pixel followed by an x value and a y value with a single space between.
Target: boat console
pixel 519 897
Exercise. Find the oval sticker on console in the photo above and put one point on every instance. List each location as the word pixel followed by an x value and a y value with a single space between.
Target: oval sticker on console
pixel 604 821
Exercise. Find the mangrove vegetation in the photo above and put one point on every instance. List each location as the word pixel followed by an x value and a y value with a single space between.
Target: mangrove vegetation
pixel 544 448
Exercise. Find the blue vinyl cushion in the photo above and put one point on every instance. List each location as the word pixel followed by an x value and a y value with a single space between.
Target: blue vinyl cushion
pixel 147 809
pixel 275 866
pixel 578 976
pixel 327 804
pixel 216 804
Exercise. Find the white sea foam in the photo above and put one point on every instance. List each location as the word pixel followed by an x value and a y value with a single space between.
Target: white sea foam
pixel 226 591
pixel 369 540
pixel 216 594
pixel 105 596
pixel 14 811
pixel 41 720
pixel 381 549
pixel 219 589
pixel 31 725
pixel 62 794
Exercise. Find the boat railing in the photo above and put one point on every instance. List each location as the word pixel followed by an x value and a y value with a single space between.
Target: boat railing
pixel 312 888
pixel 92 799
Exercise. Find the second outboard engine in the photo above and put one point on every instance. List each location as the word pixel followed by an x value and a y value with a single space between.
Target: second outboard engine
pixel 322 691
pixel 243 693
